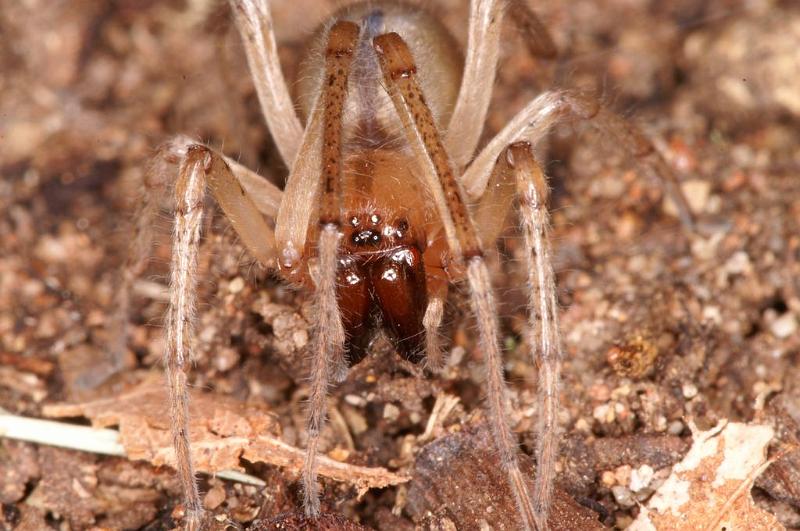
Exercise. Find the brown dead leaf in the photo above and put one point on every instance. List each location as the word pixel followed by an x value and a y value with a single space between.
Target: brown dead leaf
pixel 710 488
pixel 223 431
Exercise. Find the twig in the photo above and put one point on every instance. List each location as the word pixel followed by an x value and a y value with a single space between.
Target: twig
pixel 84 438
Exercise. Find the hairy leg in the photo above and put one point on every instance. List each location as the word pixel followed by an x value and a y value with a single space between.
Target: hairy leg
pixel 399 70
pixel 256 235
pixel 543 303
pixel 200 169
pixel 189 191
pixel 536 119
pixel 254 21
pixel 534 32
pixel 431 321
pixel 483 49
pixel 328 345
pixel 300 148
pixel 155 182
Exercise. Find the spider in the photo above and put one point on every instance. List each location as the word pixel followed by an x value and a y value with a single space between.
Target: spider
pixel 386 205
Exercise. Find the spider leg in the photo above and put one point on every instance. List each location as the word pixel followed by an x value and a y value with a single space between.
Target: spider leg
pixel 189 191
pixel 431 321
pixel 517 174
pixel 299 198
pixel 537 38
pixel 254 21
pixel 399 72
pixel 256 235
pixel 483 49
pixel 265 196
pixel 532 192
pixel 139 248
pixel 200 168
pixel 328 346
pixel 536 119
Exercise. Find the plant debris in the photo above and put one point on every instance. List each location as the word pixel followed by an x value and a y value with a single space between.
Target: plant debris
pixel 223 431
pixel 710 487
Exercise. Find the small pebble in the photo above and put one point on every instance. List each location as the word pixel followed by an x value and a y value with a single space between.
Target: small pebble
pixel 784 326
pixel 355 420
pixel 355 400
pixel 641 478
pixel 391 412
pixel 226 359
pixel 604 413
pixel 675 427
pixel 738 264
pixel 620 392
pixel 623 496
pixel 599 392
pixel 689 390
pixel 339 454
pixel 300 338
pixel 696 192
pixel 623 474
pixel 706 248
pixel 236 285
pixel 214 498
pixel 712 314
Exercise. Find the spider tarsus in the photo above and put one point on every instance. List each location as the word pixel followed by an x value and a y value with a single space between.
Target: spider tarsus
pixel 311 505
pixel 194 520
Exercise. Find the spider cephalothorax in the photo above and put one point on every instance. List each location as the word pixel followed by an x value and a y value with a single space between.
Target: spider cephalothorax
pixel 382 274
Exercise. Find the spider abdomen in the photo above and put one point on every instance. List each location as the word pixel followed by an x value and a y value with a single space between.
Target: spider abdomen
pixel 369 116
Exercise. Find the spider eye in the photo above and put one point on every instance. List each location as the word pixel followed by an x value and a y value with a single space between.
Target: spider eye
pixel 375 219
pixel 402 225
pixel 366 237
pixel 354 221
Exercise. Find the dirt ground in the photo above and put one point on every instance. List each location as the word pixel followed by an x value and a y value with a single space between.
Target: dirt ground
pixel 663 328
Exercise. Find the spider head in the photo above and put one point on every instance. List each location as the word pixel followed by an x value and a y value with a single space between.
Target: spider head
pixel 383 204
pixel 368 230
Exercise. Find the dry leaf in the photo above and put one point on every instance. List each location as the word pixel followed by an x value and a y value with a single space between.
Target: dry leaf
pixel 223 431
pixel 710 488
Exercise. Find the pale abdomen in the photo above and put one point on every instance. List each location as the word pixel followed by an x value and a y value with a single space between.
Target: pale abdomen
pixel 370 118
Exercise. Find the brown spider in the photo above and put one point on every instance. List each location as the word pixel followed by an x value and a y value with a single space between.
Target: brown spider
pixel 385 205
